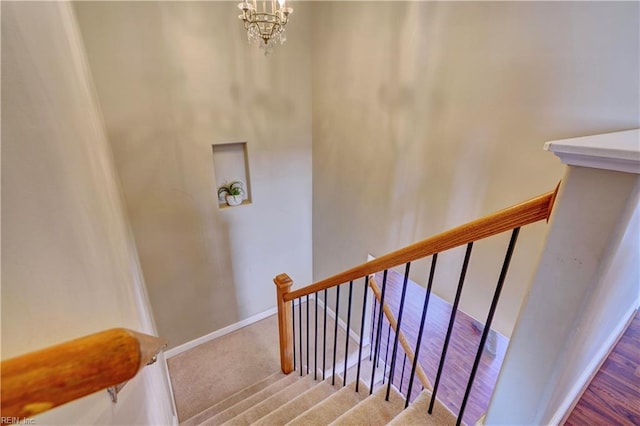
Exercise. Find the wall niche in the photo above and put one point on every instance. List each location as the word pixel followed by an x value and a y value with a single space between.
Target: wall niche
pixel 231 165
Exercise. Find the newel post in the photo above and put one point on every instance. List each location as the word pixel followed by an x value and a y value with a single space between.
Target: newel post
pixel 283 285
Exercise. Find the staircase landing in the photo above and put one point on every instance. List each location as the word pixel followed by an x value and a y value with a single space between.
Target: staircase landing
pixel 272 398
pixel 227 370
pixel 308 400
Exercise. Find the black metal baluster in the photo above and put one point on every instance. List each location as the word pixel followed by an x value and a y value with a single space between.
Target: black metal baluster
pixel 315 339
pixel 404 361
pixel 386 356
pixel 373 326
pixel 398 328
pixel 346 345
pixel 376 355
pixel 324 335
pixel 364 314
pixel 335 334
pixel 300 330
pixel 454 310
pixel 424 316
pixel 487 324
pixel 307 334
pixel 379 329
pixel 293 322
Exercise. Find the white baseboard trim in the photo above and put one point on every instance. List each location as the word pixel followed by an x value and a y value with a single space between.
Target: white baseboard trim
pixel 219 333
pixel 352 360
pixel 252 319
pixel 355 336
pixel 590 371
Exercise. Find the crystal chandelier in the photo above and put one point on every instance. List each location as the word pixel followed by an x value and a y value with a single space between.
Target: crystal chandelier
pixel 265 27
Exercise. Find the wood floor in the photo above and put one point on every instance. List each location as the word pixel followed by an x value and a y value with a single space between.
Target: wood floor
pixel 613 397
pixel 461 353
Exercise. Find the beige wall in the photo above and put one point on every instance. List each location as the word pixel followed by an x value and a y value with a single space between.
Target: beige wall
pixel 70 267
pixel 173 78
pixel 430 114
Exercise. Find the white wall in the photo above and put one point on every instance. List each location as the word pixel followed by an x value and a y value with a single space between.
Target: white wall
pixel 583 293
pixel 173 78
pixel 430 114
pixel 70 267
pixel 606 311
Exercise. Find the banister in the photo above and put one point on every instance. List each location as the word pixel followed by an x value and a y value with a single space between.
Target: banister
pixel 533 210
pixel 283 285
pixel 40 380
pixel 422 376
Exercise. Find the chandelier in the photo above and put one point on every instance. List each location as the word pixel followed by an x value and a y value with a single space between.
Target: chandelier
pixel 265 25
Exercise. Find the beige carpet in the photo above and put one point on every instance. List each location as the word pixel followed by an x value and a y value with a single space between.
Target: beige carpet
pixel 234 380
pixel 332 407
pixel 417 413
pixel 292 409
pixel 374 410
pixel 211 372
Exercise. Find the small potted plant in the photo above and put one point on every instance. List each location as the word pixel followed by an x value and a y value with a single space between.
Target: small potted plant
pixel 232 193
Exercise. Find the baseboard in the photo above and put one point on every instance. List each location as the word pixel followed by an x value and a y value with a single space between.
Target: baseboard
pixel 352 360
pixel 581 385
pixel 248 321
pixel 219 333
pixel 162 357
pixel 355 336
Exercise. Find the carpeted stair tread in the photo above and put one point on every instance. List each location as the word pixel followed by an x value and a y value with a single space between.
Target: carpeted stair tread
pixel 352 364
pixel 275 401
pixel 374 410
pixel 417 414
pixel 332 407
pixel 252 400
pixel 365 372
pixel 232 400
pixel 299 405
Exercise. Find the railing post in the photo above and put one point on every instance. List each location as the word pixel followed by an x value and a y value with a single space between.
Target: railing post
pixel 283 286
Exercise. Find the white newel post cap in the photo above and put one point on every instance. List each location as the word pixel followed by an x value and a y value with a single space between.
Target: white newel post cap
pixel 619 151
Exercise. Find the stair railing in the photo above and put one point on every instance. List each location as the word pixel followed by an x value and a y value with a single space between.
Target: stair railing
pixel 40 380
pixel 509 219
pixel 404 342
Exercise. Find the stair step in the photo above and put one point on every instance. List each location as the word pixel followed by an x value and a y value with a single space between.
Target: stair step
pixel 373 410
pixel 417 414
pixel 252 400
pixel 299 405
pixel 230 401
pixel 275 401
pixel 332 407
pixel 365 372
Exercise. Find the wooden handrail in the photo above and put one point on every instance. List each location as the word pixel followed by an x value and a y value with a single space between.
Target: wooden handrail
pixel 44 379
pixel 534 210
pixel 422 376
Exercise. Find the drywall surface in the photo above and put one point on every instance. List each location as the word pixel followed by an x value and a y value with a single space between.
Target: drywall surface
pixel 605 313
pixel 70 266
pixel 430 114
pixel 585 289
pixel 173 78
